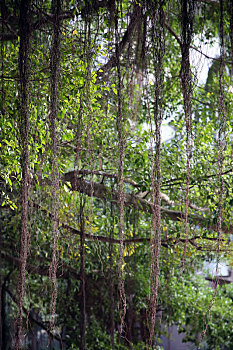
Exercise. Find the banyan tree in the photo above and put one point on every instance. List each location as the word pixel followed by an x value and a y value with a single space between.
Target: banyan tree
pixel 115 173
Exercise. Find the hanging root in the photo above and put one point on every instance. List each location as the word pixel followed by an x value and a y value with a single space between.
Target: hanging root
pixel 158 53
pixel 24 72
pixel 230 9
pixel 54 79
pixel 120 128
pixel 186 83
pixel 82 278
pixel 220 148
pixel 111 280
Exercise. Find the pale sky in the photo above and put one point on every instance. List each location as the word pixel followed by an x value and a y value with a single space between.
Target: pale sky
pixel 201 66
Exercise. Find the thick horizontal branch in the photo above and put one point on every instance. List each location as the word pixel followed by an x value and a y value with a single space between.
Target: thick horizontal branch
pixel 169 242
pixel 165 242
pixel 105 174
pixel 66 271
pixel 164 197
pixel 100 191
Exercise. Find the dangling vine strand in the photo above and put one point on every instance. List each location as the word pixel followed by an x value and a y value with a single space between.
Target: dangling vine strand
pixel 187 9
pixel 158 47
pixel 220 149
pixel 120 128
pixel 53 116
pixel 24 75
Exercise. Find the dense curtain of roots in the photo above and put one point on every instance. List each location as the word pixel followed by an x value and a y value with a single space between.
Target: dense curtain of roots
pixel 152 29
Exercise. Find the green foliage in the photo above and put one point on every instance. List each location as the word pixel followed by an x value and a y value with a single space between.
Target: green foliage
pixel 87 140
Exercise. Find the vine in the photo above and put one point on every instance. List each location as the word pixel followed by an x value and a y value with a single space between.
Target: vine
pixel 187 12
pixel 105 43
pixel 120 130
pixel 158 47
pixel 221 137
pixel 3 114
pixel 53 117
pixel 24 74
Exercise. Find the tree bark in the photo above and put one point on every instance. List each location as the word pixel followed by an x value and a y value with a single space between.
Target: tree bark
pixel 102 192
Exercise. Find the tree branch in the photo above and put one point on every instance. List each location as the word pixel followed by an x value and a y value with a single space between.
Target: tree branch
pixel 164 197
pixel 29 314
pixel 180 180
pixel 41 270
pixel 168 242
pixel 165 242
pixel 173 33
pixel 128 34
pixel 46 19
pixel 192 47
pixel 102 192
